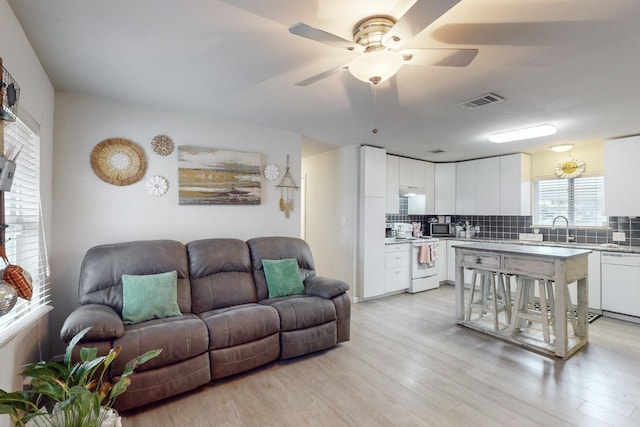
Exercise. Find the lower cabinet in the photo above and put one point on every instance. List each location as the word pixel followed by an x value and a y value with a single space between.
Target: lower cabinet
pixel 397 267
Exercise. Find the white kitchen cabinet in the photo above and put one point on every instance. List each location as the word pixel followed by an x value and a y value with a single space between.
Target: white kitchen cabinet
pixel 515 184
pixel 445 188
pixel 442 261
pixel 412 173
pixel 494 186
pixel 424 203
pixel 393 184
pixel 372 247
pixel 397 264
pixel 466 173
pixel 487 186
pixel 620 157
pixel 430 187
pixel 373 206
pixel 373 170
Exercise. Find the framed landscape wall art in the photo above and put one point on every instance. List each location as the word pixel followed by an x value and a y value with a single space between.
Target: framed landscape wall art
pixel 208 176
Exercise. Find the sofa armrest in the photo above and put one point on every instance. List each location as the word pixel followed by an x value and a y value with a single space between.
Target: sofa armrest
pixel 324 287
pixel 105 323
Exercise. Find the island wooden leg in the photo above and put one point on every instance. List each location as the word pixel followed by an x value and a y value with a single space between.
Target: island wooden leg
pixel 459 292
pixel 560 320
pixel 583 308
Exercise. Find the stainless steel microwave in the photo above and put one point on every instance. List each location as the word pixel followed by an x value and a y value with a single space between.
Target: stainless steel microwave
pixel 438 229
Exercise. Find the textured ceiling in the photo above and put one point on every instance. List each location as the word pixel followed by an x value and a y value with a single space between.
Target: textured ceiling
pixel 571 63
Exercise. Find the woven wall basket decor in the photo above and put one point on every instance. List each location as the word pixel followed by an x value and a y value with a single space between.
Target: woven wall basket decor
pixel 118 161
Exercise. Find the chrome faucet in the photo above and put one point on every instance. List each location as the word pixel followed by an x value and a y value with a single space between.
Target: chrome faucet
pixel 553 226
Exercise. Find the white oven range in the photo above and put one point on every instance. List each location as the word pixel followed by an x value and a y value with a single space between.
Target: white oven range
pixel 424 264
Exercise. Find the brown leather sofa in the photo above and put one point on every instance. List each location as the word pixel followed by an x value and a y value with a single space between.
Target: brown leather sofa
pixel 228 323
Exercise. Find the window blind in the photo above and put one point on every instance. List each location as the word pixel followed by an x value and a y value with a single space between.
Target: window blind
pixel 581 200
pixel 25 243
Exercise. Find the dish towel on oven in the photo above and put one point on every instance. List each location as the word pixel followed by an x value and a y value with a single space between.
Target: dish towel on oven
pixel 427 254
pixel 424 254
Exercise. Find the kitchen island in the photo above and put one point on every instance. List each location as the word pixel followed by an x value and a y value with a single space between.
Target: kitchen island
pixel 559 264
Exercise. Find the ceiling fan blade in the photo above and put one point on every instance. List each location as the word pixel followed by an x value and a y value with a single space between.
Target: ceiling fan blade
pixel 416 19
pixel 439 57
pixel 303 30
pixel 321 76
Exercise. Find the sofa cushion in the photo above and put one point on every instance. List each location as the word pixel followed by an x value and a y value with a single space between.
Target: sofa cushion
pixel 147 297
pixel 305 341
pixel 166 381
pixel 283 278
pixel 240 324
pixel 220 272
pixel 103 266
pixel 278 247
pixel 180 338
pixel 302 311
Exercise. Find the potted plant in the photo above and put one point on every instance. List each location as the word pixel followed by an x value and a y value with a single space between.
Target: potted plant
pixel 70 395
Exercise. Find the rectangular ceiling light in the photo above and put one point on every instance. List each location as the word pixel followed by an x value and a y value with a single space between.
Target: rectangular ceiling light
pixel 519 134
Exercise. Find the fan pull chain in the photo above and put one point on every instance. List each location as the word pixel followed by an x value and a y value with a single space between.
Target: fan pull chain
pixel 375 108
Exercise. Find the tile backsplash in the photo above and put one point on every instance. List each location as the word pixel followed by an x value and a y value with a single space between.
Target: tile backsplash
pixel 501 227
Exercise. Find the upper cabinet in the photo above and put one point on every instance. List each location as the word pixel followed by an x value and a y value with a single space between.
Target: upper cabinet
pixel 515 184
pixel 413 176
pixel 620 156
pixel 466 188
pixel 494 186
pixel 412 173
pixel 373 167
pixel 393 184
pixel 445 188
pixel 488 186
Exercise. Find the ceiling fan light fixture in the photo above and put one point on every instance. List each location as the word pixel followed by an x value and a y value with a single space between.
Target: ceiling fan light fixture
pixel 377 66
pixel 525 133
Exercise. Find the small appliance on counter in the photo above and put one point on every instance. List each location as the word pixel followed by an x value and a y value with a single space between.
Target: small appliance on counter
pixel 438 229
pixel 404 230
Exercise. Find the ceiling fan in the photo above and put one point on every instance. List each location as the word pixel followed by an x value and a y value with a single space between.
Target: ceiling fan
pixel 377 41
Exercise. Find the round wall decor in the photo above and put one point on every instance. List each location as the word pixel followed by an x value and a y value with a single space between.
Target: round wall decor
pixel 271 172
pixel 571 168
pixel 118 161
pixel 162 145
pixel 156 185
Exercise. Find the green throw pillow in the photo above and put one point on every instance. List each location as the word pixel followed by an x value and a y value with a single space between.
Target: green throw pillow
pixel 154 296
pixel 283 278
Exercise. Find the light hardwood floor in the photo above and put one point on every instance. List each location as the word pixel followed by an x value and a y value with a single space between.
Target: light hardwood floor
pixel 408 364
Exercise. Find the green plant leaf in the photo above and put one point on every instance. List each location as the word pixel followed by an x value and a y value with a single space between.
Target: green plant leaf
pixel 88 353
pixel 136 361
pixel 84 372
pixel 75 340
pixel 119 387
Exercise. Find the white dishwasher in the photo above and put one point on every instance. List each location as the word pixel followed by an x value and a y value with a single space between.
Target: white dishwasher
pixel 621 285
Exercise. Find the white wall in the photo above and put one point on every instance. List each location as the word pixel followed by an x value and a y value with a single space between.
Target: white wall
pixel 90 212
pixel 543 163
pixel 331 204
pixel 37 99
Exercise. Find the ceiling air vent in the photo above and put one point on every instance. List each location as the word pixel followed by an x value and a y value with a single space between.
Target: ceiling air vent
pixel 486 99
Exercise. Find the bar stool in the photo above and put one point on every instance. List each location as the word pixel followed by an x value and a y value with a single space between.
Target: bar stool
pixel 524 309
pixel 493 296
